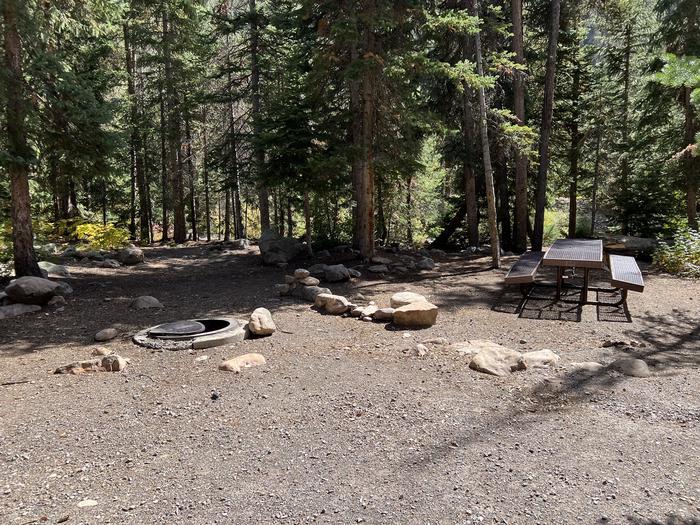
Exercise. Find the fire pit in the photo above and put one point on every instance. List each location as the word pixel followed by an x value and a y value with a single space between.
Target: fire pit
pixel 192 334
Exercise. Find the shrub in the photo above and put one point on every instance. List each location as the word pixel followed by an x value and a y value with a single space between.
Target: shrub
pixel 101 237
pixel 682 255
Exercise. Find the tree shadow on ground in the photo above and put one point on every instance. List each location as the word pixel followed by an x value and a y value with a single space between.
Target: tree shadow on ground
pixel 680 348
pixel 672 520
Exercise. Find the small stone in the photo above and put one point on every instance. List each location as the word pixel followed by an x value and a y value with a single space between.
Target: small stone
pixel 378 268
pixel 113 363
pixel 403 298
pixel 380 260
pixel 540 359
pixel 63 289
pixel 201 358
pixel 289 279
pixel 631 367
pixel 261 322
pixel 354 273
pixel 384 314
pixel 301 273
pixel 356 312
pixel 436 341
pixel 144 302
pixel 109 263
pixel 87 503
pixel 367 319
pixel 369 311
pixel 106 335
pixel 336 273
pixel 309 281
pixel 586 367
pixel 101 351
pixel 236 364
pixel 418 315
pixel 420 350
pixel 56 301
pixel 282 289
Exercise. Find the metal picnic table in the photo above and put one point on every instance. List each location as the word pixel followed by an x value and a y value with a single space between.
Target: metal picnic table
pixel 575 253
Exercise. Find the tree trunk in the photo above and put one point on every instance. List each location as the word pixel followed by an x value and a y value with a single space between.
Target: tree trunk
pixel 205 169
pixel 174 138
pixel 227 215
pixel 469 139
pixel 191 174
pixel 488 172
pixel 409 210
pixel 520 227
pixel 503 201
pixel 692 163
pixel 574 147
pixel 17 147
pixel 596 177
pixel 364 143
pixel 165 198
pixel 441 240
pixel 546 129
pixel 625 164
pixel 258 154
pixel 138 180
pixel 307 224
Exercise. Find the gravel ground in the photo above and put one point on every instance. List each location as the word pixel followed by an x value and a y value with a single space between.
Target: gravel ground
pixel 345 424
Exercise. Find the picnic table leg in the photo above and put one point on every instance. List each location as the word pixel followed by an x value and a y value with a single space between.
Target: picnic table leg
pixel 560 274
pixel 584 290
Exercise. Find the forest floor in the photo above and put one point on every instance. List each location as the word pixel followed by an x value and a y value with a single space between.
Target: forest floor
pixel 343 424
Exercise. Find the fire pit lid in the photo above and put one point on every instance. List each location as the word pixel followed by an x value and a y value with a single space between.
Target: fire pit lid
pixel 177 328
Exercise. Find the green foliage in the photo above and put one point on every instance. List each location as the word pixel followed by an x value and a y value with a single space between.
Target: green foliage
pixel 556 224
pixel 681 256
pixel 102 237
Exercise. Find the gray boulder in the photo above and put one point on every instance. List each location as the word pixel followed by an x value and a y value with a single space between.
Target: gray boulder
pixel 131 255
pixel 278 250
pixel 13 310
pixel 57 301
pixel 31 290
pixel 425 263
pixel 63 289
pixel 109 263
pixel 309 293
pixel 106 334
pixel 336 273
pixel 378 268
pixel 54 270
pixel 495 359
pixel 631 367
pixel 144 302
pixel 318 270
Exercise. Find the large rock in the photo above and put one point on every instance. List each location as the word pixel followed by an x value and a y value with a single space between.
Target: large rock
pixel 333 304
pixel 301 274
pixel 336 273
pixel 106 334
pixel 586 368
pixel 309 281
pixel 540 359
pixel 420 314
pixel 238 244
pixel 309 293
pixel 109 263
pixel 31 290
pixel 495 359
pixel 261 322
pixel 378 268
pixel 131 255
pixel 144 302
pixel 380 260
pixel 425 263
pixel 403 298
pixel 318 269
pixel 14 310
pixel 236 364
pixel 54 270
pixel 631 367
pixel 275 249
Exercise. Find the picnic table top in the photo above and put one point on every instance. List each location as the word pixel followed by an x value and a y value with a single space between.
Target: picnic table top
pixel 581 253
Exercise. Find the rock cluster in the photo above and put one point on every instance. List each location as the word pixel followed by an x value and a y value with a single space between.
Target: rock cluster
pixel 29 294
pixel 128 256
pixel 301 285
pixel 107 363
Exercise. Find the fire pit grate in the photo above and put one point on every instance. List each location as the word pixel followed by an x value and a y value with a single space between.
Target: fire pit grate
pixel 192 334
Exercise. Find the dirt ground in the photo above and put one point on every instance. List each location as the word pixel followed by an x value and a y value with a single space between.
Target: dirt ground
pixel 343 424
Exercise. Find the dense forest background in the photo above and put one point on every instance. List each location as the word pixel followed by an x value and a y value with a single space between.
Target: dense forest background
pixel 366 122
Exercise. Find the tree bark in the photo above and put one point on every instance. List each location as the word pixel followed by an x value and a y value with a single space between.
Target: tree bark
pixel 191 174
pixel 259 153
pixel 441 240
pixel 227 214
pixel 488 171
pixel 596 177
pixel 546 129
pixel 520 229
pixel 174 138
pixel 17 147
pixel 205 169
pixel 409 210
pixel 469 139
pixel 574 147
pixel 165 198
pixel 307 224
pixel 692 163
pixel 625 164
pixel 503 200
